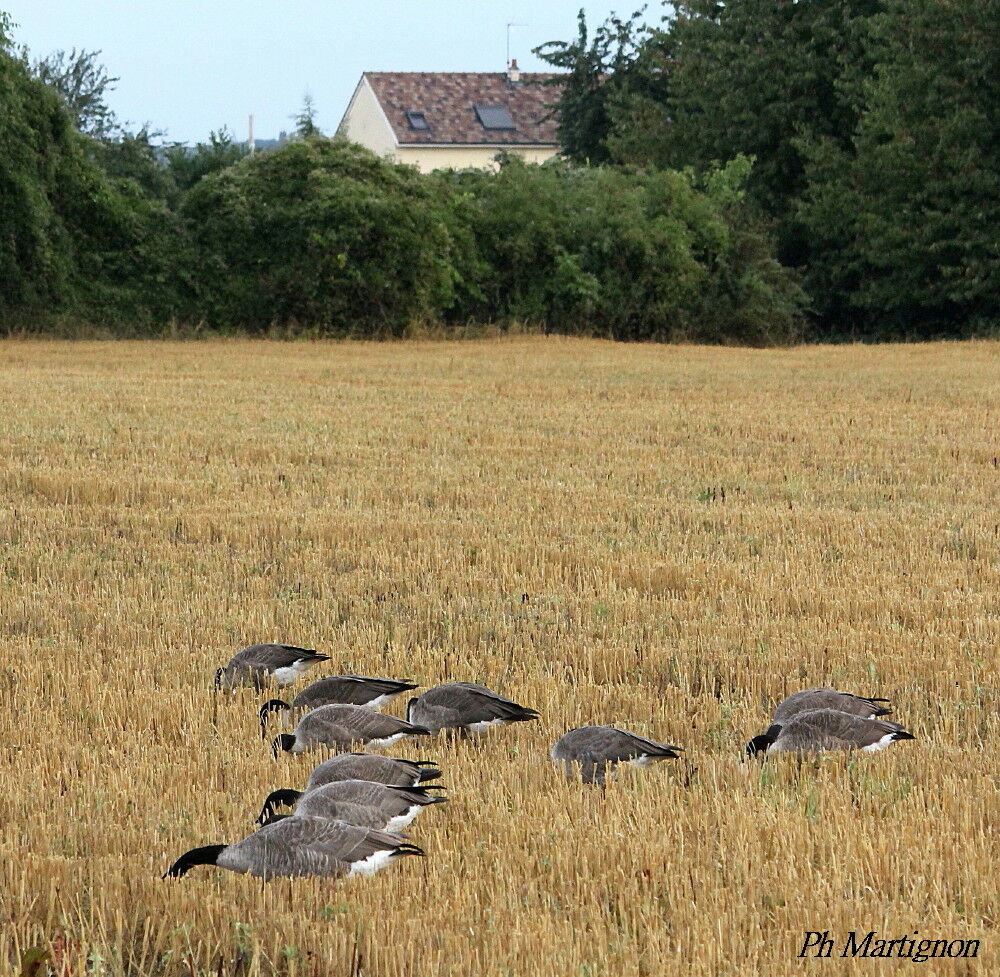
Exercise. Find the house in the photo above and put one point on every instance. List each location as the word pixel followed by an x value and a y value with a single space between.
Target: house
pixel 437 119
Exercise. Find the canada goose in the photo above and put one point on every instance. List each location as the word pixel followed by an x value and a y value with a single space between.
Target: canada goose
pixel 595 749
pixel 298 846
pixel 257 664
pixel 400 805
pixel 374 767
pixel 811 699
pixel 363 815
pixel 355 690
pixel 827 729
pixel 341 727
pixel 466 707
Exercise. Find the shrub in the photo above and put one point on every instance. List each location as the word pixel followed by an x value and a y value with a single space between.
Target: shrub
pixel 629 254
pixel 323 233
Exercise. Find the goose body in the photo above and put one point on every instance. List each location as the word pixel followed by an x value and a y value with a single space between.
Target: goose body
pixel 340 727
pixel 363 815
pixel 398 805
pixel 597 749
pixel 300 846
pixel 355 690
pixel 827 729
pixel 812 699
pixel 467 707
pixel 375 767
pixel 257 665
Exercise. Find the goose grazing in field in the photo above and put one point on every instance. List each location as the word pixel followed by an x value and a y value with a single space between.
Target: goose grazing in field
pixel 812 699
pixel 299 846
pixel 362 815
pixel 340 727
pixel 597 749
pixel 353 690
pixel 374 767
pixel 827 729
pixel 398 805
pixel 259 664
pixel 466 708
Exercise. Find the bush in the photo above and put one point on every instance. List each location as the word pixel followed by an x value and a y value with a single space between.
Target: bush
pixel 325 234
pixel 626 254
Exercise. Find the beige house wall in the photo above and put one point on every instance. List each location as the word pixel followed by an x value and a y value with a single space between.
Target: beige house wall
pixel 364 122
pixel 427 158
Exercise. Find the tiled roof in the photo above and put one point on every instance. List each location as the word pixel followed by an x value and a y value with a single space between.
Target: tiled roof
pixel 448 99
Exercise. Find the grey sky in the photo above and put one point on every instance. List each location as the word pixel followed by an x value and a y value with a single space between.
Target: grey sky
pixel 191 66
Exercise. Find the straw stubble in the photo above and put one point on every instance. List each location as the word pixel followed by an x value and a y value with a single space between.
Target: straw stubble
pixel 669 539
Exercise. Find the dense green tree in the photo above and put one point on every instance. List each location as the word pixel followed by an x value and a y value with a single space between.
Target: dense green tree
pixel 598 71
pixel 907 216
pixel 42 168
pixel 72 239
pixel 137 158
pixel 639 130
pixel 764 78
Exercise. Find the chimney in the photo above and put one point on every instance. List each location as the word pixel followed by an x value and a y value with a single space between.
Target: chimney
pixel 513 72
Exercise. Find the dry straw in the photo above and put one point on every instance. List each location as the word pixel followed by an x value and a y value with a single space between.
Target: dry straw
pixel 697 532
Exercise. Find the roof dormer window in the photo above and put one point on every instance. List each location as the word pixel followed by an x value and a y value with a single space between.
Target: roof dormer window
pixel 418 121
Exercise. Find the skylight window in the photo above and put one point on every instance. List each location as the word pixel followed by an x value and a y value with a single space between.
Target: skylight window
pixel 418 121
pixel 494 116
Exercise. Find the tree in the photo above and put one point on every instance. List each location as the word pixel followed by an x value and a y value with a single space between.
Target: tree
pixel 134 157
pixel 305 120
pixel 72 239
pixel 187 166
pixel 764 78
pixel 597 70
pixel 908 213
pixel 639 125
pixel 83 84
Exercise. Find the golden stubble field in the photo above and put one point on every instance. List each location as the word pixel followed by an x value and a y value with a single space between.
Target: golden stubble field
pixel 698 532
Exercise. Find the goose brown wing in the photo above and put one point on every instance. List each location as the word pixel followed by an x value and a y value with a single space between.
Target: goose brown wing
pixel 860 705
pixel 465 703
pixel 324 725
pixel 299 846
pixel 835 729
pixel 320 804
pixel 608 743
pixel 355 791
pixel 271 656
pixel 368 724
pixel 637 745
pixel 363 815
pixel 371 766
pixel 810 700
pixel 355 690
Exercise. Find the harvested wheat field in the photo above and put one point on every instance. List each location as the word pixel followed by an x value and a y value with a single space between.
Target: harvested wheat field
pixel 666 538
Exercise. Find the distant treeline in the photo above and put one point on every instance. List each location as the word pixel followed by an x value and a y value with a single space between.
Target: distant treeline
pixel 874 127
pixel 728 181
